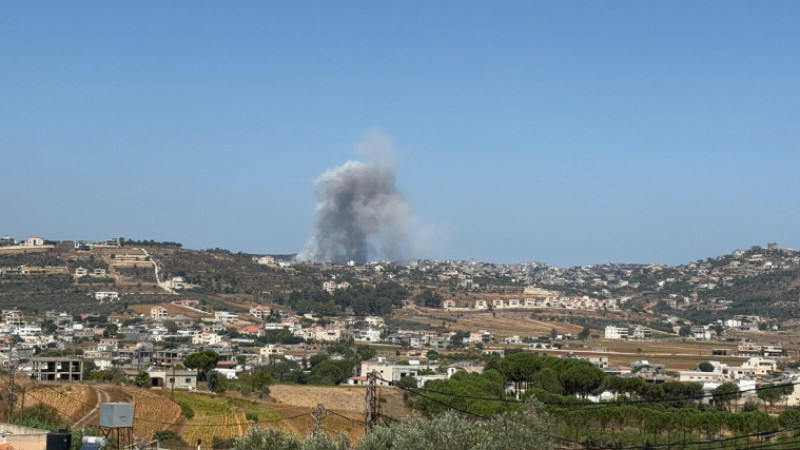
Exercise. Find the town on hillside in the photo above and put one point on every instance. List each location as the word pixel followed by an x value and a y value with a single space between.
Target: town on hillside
pixel 718 333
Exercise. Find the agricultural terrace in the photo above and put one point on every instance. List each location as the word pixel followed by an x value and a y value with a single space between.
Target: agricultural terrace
pixel 208 417
pixel 72 401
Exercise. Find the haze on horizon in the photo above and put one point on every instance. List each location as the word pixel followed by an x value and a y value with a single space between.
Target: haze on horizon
pixel 566 133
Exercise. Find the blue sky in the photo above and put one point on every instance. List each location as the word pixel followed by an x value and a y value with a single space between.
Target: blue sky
pixel 563 132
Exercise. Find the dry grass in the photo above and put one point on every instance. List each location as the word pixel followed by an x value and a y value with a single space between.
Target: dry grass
pixel 501 323
pixel 153 411
pixel 342 399
pixel 72 401
pixel 213 417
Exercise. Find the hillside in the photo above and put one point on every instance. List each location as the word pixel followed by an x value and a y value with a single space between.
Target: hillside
pixel 214 417
pixel 759 281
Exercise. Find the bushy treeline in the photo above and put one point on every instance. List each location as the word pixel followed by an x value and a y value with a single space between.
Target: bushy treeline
pixel 148 243
pixel 361 300
pixel 641 413
pixel 657 424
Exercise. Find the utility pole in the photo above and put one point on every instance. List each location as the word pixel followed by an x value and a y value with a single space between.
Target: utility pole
pixel 318 415
pixel 172 392
pixel 371 414
pixel 12 369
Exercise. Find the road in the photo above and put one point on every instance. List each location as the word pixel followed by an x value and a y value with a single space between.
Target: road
pixel 155 267
pixel 92 418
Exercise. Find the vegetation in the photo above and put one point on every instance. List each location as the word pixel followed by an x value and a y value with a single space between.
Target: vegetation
pixel 360 300
pixel 148 243
pixel 527 428
pixel 429 299
pixel 203 361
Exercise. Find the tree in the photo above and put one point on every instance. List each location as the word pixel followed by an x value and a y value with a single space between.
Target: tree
pixel 705 366
pixel 726 393
pixel 40 414
pixel 520 367
pixel 770 394
pixel 110 330
pixel 266 439
pixel 49 327
pixel 547 379
pixel 429 299
pixel 332 371
pixel 789 418
pixel 584 334
pixel 257 381
pixel 490 384
pixel 202 361
pixel 171 326
pixel 457 339
pixel 524 429
pixel 406 383
pixel 553 333
pixel 581 377
pixel 365 352
pixel 88 367
pixel 142 379
pixel 216 381
pixel 685 330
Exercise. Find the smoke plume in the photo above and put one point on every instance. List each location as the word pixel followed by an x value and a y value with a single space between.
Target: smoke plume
pixel 359 204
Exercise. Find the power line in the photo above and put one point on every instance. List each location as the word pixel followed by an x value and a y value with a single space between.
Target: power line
pixel 688 443
pixel 464 411
pixel 791 442
pixel 343 416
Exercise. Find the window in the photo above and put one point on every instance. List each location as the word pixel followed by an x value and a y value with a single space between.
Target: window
pixel 188 380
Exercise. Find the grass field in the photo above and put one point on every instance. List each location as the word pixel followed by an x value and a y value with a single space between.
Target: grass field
pixel 501 323
pixel 71 401
pixel 213 417
pixel 344 399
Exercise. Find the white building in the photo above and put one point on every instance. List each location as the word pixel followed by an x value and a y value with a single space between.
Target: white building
pixel 226 317
pixel 176 283
pixel 266 260
pixel 369 335
pixel 259 312
pixel 393 372
pixel 106 295
pixel 207 339
pixel 158 313
pixel 34 241
pixel 641 333
pixel 615 332
pixel 328 334
pixel 270 350
pixel 332 285
pixel 696 376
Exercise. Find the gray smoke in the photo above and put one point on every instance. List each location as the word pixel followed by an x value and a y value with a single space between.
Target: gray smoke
pixel 359 203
